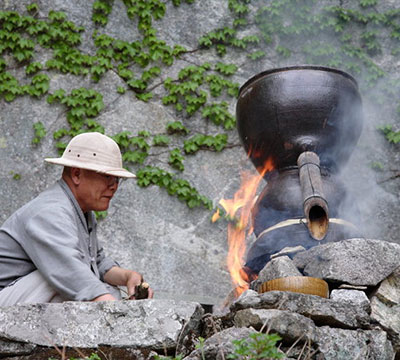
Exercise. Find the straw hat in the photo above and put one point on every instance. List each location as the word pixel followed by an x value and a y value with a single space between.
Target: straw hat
pixel 93 151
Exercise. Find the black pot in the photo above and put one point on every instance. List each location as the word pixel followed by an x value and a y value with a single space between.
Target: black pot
pixel 284 112
pixel 281 203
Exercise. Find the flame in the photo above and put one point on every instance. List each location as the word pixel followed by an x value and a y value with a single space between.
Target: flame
pixel 243 200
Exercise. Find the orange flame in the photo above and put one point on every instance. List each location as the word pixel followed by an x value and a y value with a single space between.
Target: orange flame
pixel 239 229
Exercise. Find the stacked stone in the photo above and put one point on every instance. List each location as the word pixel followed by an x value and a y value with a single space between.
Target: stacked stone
pixel 360 320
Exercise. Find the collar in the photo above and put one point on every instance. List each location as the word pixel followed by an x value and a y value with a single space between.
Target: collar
pixel 90 216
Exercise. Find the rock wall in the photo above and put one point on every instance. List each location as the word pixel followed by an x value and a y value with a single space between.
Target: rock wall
pixel 359 320
pixel 179 251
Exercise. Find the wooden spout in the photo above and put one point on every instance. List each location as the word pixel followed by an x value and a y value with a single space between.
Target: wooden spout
pixel 314 204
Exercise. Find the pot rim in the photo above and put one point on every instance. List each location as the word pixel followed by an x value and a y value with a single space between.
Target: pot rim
pixel 297 67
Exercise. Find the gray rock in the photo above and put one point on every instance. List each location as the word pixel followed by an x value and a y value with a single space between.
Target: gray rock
pixel 220 345
pixel 322 311
pixel 389 289
pixel 14 348
pixel 150 324
pixel 388 317
pixel 278 267
pixel 353 261
pixel 385 307
pixel 355 297
pixel 341 344
pixel 290 326
pixel 249 293
pixel 353 287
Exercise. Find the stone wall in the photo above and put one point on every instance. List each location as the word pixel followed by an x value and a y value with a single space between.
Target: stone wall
pixel 359 320
pixel 179 251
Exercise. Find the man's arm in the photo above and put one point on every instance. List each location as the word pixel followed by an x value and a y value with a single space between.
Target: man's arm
pixel 51 241
pixel 105 297
pixel 118 276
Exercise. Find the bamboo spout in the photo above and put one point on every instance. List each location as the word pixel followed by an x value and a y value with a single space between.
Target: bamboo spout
pixel 314 204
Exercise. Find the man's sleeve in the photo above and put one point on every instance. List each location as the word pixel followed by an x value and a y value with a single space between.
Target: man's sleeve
pixel 52 243
pixel 104 263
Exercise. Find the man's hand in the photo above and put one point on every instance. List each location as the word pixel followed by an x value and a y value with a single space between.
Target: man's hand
pixel 122 277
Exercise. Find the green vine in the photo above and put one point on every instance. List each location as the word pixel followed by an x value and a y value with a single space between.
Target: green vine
pixel 390 134
pixel 337 36
pixel 40 132
pixel 175 186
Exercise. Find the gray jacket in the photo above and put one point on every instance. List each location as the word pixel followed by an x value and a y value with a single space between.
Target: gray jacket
pixel 51 234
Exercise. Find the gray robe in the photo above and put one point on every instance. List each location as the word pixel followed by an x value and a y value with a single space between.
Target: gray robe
pixel 51 234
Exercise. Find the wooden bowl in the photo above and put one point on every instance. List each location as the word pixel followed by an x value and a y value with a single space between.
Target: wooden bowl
pixel 298 284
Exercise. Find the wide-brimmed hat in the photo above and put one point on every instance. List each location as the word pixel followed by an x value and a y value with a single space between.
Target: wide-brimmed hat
pixel 93 151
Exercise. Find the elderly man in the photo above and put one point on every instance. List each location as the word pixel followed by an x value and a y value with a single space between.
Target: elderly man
pixel 49 251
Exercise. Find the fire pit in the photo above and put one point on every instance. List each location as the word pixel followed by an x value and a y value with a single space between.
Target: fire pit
pixel 302 122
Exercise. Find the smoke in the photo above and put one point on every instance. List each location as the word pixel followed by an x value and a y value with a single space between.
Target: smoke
pixel 365 49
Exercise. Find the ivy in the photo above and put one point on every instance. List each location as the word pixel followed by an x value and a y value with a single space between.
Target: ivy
pixel 187 93
pixel 176 127
pixel 174 186
pixel 101 10
pixel 135 149
pixel 176 159
pixel 161 140
pixel 226 69
pixel 390 134
pixel 32 8
pixel 281 27
pixel 9 87
pixel 219 114
pixel 33 68
pixel 366 3
pixel 200 141
pixel 82 106
pixel 39 85
pixel 40 132
pixel 178 2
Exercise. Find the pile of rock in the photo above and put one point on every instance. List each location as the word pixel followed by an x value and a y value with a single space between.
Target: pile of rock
pixel 360 320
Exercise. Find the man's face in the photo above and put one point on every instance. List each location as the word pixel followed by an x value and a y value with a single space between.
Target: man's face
pixel 95 190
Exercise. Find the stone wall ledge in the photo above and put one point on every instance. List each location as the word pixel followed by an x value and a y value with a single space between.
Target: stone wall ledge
pixel 150 325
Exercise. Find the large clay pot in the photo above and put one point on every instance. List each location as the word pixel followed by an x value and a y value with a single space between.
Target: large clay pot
pixel 304 121
pixel 284 112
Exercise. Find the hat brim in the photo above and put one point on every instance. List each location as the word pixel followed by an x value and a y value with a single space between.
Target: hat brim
pixel 119 172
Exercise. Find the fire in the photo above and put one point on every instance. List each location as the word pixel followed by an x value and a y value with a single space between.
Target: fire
pixel 240 227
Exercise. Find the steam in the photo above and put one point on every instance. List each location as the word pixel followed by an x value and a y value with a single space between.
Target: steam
pixel 371 202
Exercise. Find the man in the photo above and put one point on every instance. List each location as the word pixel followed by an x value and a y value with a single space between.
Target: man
pixel 49 251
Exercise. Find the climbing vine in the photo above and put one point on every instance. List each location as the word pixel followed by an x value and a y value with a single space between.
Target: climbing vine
pixel 331 35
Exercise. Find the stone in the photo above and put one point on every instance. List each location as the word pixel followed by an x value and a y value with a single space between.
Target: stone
pixel 220 345
pixel 355 297
pixel 353 261
pixel 385 307
pixel 388 318
pixel 146 324
pixel 15 348
pixel 389 289
pixel 278 267
pixel 341 344
pixel 353 287
pixel 322 311
pixel 289 325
